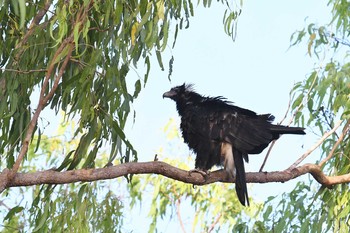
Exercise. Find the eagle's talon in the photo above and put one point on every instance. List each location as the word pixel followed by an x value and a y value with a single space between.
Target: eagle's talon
pixel 205 174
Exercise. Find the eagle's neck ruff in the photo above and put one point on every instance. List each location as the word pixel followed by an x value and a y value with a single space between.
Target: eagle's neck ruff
pixel 188 100
pixel 194 99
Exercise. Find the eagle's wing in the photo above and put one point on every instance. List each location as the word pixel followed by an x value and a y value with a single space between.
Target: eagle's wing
pixel 247 133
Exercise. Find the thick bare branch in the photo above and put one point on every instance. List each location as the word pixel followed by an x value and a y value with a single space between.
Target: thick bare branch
pixel 161 168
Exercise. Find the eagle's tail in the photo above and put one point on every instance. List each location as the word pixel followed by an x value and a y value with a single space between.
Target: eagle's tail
pixel 241 184
pixel 281 129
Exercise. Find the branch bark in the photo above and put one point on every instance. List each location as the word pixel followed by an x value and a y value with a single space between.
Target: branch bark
pixel 162 168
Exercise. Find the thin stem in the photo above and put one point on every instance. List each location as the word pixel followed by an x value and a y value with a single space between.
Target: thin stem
pixel 340 139
pixel 178 202
pixel 24 71
pixel 315 146
pixel 267 156
pixel 214 223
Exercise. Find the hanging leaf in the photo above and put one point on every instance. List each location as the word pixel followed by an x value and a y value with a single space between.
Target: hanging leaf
pixel 133 33
pixel 13 211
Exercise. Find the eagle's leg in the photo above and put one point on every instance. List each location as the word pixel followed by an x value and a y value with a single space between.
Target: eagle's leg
pixel 234 166
pixel 227 159
pixel 204 173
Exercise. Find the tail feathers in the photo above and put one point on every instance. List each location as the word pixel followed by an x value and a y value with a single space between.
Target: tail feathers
pixel 281 129
pixel 241 184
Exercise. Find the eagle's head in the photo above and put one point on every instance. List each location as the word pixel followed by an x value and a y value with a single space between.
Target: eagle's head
pixel 179 93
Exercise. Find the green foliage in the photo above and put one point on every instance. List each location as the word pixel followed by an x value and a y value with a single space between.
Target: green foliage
pixel 325 93
pixel 320 101
pixel 324 96
pixel 307 209
pixel 12 221
pixel 109 37
pixel 84 207
pixel 77 208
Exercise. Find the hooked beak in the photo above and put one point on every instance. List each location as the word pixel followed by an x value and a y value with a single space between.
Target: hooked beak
pixel 169 94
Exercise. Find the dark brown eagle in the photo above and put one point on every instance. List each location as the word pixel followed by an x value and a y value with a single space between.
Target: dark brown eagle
pixel 223 134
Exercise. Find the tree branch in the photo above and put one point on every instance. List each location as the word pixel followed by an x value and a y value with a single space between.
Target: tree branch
pixel 316 145
pixel 178 203
pixel 62 55
pixel 41 105
pixel 162 168
pixel 24 71
pixel 267 155
pixel 39 16
pixel 215 222
pixel 43 100
pixel 340 139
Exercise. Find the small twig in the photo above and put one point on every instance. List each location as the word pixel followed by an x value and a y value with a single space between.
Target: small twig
pixel 39 16
pixel 340 139
pixel 273 143
pixel 99 30
pixel 214 223
pixel 267 155
pixel 6 206
pixel 294 114
pixel 178 202
pixel 315 146
pixel 329 123
pixel 24 71
pixel 287 111
pixel 60 72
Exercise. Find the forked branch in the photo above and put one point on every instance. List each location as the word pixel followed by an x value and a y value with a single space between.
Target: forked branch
pixel 316 145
